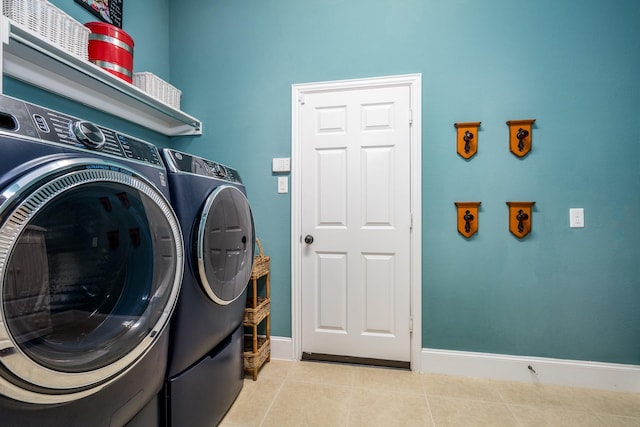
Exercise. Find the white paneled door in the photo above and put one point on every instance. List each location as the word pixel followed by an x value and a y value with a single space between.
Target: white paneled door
pixel 356 222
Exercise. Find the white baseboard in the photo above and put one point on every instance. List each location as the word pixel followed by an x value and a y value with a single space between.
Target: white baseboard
pixel 575 373
pixel 282 348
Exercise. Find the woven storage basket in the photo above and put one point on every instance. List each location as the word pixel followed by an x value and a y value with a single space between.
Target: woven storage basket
pixel 255 360
pixel 30 14
pixel 261 263
pixel 253 316
pixel 51 23
pixel 157 88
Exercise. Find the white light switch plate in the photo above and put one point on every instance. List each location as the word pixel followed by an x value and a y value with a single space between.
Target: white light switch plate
pixel 576 217
pixel 281 164
pixel 283 184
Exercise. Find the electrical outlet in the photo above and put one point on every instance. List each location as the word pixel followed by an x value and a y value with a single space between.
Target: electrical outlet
pixel 576 217
pixel 281 164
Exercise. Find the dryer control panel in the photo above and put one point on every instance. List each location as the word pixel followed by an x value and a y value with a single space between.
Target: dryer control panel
pixel 178 161
pixel 23 119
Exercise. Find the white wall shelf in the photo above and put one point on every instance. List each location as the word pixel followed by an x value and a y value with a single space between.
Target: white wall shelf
pixel 30 58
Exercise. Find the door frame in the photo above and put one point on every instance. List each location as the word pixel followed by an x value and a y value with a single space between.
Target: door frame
pixel 298 93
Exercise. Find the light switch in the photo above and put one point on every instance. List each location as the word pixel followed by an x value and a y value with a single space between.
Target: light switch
pixel 281 164
pixel 576 217
pixel 283 184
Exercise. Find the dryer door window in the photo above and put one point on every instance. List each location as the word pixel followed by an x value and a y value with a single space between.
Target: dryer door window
pixel 91 263
pixel 225 244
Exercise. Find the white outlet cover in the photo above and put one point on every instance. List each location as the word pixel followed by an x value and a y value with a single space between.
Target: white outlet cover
pixel 283 184
pixel 576 217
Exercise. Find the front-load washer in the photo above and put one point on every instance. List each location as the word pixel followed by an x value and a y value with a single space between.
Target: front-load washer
pixel 206 371
pixel 91 262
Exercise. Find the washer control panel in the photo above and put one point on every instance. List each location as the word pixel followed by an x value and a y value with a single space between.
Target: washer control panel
pixel 178 161
pixel 29 120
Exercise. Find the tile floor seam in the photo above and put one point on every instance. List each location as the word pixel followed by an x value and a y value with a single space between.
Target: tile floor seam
pixel 275 397
pixel 513 414
pixel 300 381
pixel 383 388
pixel 426 398
pixel 636 419
pixel 502 396
pixel 349 406
pixel 473 399
pixel 599 418
pixel 587 410
pixel 600 415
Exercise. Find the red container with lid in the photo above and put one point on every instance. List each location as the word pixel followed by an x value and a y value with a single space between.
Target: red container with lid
pixel 111 49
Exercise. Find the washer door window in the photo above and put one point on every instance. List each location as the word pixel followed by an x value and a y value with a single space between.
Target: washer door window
pixel 225 244
pixel 91 264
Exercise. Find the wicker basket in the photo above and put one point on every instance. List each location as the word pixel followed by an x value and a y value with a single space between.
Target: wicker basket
pixel 157 88
pixel 261 263
pixel 30 14
pixel 51 23
pixel 256 360
pixel 253 316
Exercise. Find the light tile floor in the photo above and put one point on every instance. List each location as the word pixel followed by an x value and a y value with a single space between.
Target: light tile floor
pixel 324 394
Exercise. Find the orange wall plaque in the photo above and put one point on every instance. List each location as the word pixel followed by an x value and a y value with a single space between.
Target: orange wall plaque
pixel 467 218
pixel 520 216
pixel 467 138
pixel 520 136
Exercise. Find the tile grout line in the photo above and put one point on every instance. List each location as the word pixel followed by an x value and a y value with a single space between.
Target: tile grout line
pixel 426 398
pixel 275 397
pixel 513 414
pixel 354 374
pixel 508 405
pixel 349 408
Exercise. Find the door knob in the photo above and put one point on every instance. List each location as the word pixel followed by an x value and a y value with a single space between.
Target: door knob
pixel 308 239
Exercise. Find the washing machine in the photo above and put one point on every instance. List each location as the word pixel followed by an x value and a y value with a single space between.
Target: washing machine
pixel 91 262
pixel 206 371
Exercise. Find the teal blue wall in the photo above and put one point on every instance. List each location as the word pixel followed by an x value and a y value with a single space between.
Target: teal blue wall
pixel 560 292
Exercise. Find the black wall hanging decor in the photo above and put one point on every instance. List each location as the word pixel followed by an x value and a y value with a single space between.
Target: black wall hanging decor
pixel 109 11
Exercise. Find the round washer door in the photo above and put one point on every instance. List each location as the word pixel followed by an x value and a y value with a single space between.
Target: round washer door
pixel 91 262
pixel 225 244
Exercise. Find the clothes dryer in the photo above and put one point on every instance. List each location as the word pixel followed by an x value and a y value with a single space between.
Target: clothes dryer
pixel 91 262
pixel 206 349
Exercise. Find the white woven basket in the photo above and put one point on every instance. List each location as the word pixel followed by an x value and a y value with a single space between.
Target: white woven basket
pixel 157 88
pixel 51 23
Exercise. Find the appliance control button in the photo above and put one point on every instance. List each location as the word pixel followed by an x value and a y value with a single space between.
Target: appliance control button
pixel 89 134
pixel 41 123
